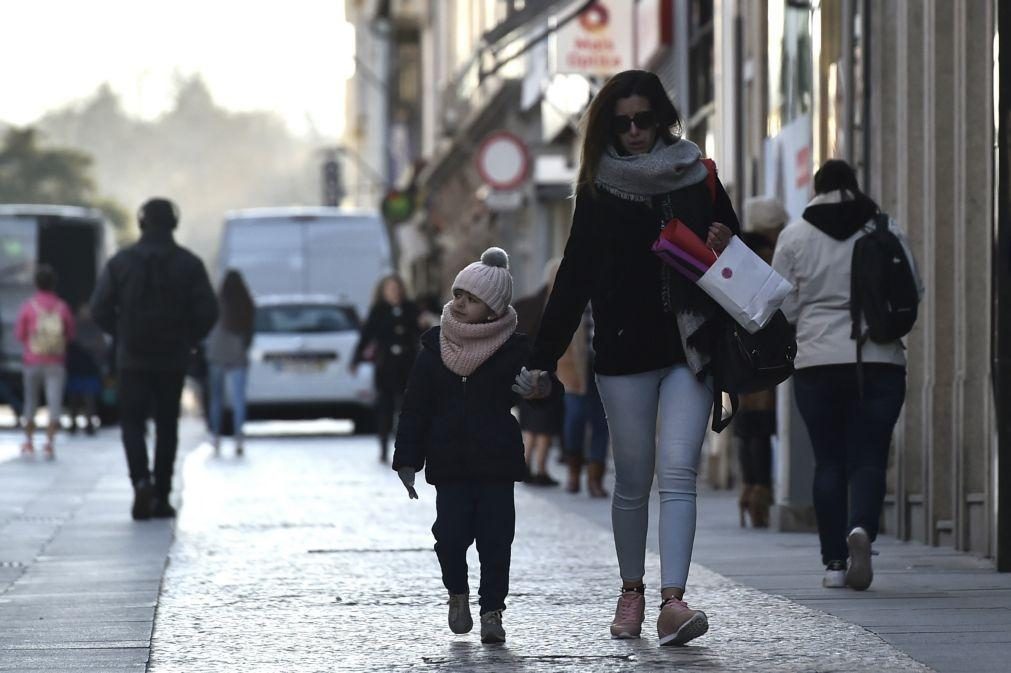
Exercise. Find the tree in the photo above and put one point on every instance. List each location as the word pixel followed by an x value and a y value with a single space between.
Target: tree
pixel 30 173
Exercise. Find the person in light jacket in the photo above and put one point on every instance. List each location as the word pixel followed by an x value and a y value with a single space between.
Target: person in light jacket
pixel 850 436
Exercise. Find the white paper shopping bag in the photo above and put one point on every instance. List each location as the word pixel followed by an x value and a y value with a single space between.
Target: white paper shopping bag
pixel 745 286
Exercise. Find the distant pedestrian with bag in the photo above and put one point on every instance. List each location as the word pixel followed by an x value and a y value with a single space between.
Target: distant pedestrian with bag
pixel 227 355
pixel 654 329
pixel 157 301
pixel 44 327
pixel 457 425
pixel 86 358
pixel 389 338
pixel 853 275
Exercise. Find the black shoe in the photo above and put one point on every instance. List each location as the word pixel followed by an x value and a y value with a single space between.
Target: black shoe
pixel 143 500
pixel 544 479
pixel 162 509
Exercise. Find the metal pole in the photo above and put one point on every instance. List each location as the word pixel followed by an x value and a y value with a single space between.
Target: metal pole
pixel 1001 289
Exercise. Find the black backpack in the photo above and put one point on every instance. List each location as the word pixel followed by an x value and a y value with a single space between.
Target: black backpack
pixel 153 307
pixel 882 287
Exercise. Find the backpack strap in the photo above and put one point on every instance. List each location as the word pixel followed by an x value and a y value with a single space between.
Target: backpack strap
pixel 710 177
pixel 881 223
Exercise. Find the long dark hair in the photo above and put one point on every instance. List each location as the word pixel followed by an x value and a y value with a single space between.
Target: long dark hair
pixel 237 308
pixel 597 133
pixel 377 293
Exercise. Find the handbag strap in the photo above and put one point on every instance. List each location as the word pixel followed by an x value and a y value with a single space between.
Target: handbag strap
pixel 719 423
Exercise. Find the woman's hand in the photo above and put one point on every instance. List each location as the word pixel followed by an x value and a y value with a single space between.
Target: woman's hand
pixel 719 237
pixel 532 385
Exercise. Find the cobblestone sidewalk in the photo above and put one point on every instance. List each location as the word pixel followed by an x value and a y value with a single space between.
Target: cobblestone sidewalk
pixel 307 555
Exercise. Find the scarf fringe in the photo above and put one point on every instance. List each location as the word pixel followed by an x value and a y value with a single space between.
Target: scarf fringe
pixel 622 194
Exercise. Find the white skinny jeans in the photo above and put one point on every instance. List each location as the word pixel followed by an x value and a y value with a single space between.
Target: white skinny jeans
pixel 671 448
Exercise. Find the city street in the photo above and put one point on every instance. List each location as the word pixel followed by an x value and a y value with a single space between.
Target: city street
pixel 307 555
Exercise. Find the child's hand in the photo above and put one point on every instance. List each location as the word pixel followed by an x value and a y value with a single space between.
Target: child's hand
pixel 406 475
pixel 532 385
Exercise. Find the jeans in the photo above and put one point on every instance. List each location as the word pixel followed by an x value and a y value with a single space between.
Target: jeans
pixel 580 410
pixel 672 450
pixel 851 439
pixel 483 511
pixel 236 379
pixel 142 392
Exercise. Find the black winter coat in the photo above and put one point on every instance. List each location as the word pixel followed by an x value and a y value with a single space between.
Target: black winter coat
pixel 192 313
pixel 462 428
pixel 395 338
pixel 608 262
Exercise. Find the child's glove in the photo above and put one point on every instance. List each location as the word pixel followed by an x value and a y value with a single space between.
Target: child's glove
pixel 406 475
pixel 532 385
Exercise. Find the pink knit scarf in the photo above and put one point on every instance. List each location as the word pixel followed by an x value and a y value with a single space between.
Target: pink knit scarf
pixel 465 346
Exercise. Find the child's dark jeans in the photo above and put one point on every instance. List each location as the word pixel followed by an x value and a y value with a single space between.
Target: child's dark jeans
pixel 483 511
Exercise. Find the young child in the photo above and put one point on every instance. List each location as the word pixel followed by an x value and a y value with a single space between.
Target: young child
pixel 456 423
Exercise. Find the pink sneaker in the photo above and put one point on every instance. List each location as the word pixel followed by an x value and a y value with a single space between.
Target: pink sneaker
pixel 678 623
pixel 629 615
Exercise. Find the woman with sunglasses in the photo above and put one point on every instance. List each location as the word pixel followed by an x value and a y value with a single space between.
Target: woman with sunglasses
pixel 653 334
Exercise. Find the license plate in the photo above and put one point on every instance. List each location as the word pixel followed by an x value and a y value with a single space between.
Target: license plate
pixel 301 366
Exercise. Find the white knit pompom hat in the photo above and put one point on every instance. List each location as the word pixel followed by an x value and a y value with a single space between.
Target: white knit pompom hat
pixel 489 280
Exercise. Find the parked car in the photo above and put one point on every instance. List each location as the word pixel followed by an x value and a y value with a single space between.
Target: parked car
pixel 298 362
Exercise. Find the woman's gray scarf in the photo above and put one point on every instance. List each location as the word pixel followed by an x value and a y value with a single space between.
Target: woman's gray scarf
pixel 639 177
pixel 642 178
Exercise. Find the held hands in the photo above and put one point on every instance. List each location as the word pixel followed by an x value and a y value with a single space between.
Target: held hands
pixel 532 385
pixel 719 237
pixel 406 475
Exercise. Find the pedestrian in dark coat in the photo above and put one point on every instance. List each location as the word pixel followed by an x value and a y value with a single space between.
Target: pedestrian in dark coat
pixel 457 425
pixel 654 331
pixel 155 298
pixel 390 339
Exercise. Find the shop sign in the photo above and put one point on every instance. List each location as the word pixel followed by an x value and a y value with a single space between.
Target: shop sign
pixel 599 41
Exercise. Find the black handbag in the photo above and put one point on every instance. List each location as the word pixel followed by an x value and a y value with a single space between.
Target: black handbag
pixel 747 363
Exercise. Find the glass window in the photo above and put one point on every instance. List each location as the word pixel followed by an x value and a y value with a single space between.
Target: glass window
pixel 304 319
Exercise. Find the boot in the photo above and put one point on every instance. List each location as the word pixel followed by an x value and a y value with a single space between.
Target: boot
pixel 575 472
pixel 744 502
pixel 758 506
pixel 595 480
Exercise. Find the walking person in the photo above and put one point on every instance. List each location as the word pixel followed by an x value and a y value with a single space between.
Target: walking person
pixel 86 356
pixel 6 393
pixel 390 339
pixel 156 299
pixel 457 425
pixel 228 356
pixel 850 410
pixel 44 326
pixel 653 330
pixel 583 410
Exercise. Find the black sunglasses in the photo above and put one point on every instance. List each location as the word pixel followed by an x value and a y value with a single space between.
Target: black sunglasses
pixel 642 120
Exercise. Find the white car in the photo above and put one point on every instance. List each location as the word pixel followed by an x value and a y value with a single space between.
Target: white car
pixel 298 362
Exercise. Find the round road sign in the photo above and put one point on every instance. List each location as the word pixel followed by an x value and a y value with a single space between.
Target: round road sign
pixel 502 160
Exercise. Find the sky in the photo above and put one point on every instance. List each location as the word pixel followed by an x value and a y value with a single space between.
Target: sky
pixel 290 56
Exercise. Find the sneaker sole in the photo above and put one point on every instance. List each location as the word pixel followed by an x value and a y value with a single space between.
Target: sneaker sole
pixel 690 630
pixel 492 640
pixel 461 629
pixel 626 634
pixel 859 574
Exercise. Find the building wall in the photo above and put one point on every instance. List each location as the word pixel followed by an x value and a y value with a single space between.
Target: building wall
pixel 930 166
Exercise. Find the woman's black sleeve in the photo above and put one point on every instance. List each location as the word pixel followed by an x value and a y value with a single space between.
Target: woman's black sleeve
pixel 571 290
pixel 366 336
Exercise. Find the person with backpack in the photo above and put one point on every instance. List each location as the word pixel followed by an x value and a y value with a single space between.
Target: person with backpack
pixel 855 295
pixel 156 299
pixel 44 326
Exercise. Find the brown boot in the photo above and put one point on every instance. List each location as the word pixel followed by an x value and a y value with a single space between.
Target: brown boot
pixel 744 502
pixel 595 480
pixel 758 506
pixel 575 472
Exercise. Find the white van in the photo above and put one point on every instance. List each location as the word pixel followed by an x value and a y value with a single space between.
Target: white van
pixel 308 250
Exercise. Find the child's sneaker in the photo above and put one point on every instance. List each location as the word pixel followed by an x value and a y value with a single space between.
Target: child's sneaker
pixel 491 627
pixel 678 623
pixel 835 575
pixel 629 614
pixel 859 572
pixel 460 620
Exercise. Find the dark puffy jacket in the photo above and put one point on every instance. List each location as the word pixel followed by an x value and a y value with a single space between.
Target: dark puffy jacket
pixel 192 313
pixel 462 428
pixel 608 262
